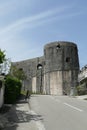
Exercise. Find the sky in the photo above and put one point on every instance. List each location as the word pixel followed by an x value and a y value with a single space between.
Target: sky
pixel 27 25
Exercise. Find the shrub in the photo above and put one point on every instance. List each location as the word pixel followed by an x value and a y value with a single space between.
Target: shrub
pixel 81 89
pixel 12 89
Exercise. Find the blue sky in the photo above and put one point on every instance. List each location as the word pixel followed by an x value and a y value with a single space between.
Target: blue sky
pixel 27 25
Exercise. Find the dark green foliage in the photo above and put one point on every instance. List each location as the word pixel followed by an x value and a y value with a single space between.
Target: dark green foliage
pixel 82 89
pixel 18 73
pixel 12 89
pixel 2 56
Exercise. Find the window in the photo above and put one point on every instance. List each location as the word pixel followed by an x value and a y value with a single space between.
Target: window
pixel 58 46
pixel 67 59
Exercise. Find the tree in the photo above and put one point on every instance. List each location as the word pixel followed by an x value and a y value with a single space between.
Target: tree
pixel 4 63
pixel 12 89
pixel 18 73
pixel 5 66
pixel 2 56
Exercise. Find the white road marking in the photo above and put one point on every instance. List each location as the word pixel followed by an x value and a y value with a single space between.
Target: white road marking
pixel 73 107
pixel 39 124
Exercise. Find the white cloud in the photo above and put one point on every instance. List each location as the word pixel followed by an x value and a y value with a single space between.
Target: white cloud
pixel 9 35
pixel 29 20
pixel 36 19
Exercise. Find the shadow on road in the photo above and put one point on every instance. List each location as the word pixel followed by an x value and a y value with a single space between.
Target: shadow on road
pixel 15 115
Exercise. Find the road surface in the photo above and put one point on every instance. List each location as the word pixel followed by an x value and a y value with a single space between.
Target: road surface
pixel 59 112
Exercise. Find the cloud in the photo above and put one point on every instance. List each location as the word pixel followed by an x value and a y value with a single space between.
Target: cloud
pixel 47 15
pixel 11 41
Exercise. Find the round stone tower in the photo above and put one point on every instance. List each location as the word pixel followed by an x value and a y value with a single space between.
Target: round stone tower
pixel 61 68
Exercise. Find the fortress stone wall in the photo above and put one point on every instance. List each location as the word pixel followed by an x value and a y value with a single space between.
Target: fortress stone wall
pixel 56 72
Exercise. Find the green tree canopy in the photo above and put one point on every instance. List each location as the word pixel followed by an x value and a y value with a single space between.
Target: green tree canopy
pixel 2 56
pixel 18 73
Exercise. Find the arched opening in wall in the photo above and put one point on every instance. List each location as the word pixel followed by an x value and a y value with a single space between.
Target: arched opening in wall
pixel 39 78
pixel 67 59
pixel 39 66
pixel 58 47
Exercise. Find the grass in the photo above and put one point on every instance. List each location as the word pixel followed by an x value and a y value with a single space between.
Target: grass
pixel 23 92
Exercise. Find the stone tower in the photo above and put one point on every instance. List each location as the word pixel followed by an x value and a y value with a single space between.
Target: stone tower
pixel 61 68
pixel 54 73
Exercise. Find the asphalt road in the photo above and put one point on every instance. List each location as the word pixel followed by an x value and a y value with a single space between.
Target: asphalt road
pixel 59 112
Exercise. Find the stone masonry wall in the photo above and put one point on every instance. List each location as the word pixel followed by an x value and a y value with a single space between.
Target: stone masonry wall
pixel 54 73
